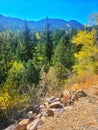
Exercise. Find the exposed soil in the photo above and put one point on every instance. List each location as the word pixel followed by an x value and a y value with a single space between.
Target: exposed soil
pixel 83 115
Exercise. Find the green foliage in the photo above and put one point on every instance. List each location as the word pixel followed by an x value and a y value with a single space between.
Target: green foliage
pixel 48 42
pixel 27 43
pixel 3 72
pixel 59 54
pixel 20 76
pixel 15 75
pixel 63 52
pixel 32 72
pixel 7 50
pixel 33 64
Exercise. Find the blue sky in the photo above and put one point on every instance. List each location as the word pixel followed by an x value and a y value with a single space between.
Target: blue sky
pixel 78 10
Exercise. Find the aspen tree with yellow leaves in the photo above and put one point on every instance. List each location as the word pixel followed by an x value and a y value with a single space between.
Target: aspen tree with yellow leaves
pixel 87 57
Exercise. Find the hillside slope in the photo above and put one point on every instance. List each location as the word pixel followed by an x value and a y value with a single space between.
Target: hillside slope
pixel 79 114
pixel 18 24
pixel 82 116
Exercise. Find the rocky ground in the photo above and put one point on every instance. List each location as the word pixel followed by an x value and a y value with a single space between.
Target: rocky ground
pixel 83 115
pixel 71 111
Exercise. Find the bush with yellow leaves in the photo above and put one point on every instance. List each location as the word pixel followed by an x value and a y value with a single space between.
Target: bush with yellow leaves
pixel 11 103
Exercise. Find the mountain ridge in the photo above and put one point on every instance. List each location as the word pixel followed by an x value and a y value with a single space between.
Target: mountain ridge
pixel 12 23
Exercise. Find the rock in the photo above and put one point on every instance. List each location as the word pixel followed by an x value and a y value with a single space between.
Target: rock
pixel 58 111
pixel 50 112
pixel 11 127
pixel 35 124
pixel 39 115
pixel 22 124
pixel 56 105
pixel 42 106
pixel 78 94
pixel 20 127
pixel 36 109
pixel 66 94
pixel 52 99
pixel 55 100
pixel 43 111
pixel 29 126
pixel 65 97
pixel 65 100
pixel 30 115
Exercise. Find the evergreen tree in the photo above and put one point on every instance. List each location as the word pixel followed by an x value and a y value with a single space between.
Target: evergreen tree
pixel 64 51
pixel 48 42
pixel 7 54
pixel 28 46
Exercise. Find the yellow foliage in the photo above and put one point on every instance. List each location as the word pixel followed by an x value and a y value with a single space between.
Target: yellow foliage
pixel 18 66
pixel 37 36
pixel 9 95
pixel 88 55
pixel 84 37
pixel 10 100
pixel 4 100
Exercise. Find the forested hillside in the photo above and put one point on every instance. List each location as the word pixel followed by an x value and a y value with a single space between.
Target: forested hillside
pixel 33 65
pixel 14 24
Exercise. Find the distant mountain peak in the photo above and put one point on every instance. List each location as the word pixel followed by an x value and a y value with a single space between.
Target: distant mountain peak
pixel 18 24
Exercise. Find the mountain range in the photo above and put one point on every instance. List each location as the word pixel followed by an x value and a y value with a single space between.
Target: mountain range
pixel 7 23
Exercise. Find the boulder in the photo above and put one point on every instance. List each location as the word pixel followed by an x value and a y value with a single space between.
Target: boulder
pixel 22 124
pixel 65 101
pixel 36 109
pixel 52 99
pixel 65 97
pixel 30 115
pixel 43 111
pixel 50 112
pixel 56 105
pixel 35 124
pixel 39 115
pixel 23 127
pixel 60 110
pixel 49 100
pixel 78 94
pixel 66 94
pixel 55 100
pixel 57 111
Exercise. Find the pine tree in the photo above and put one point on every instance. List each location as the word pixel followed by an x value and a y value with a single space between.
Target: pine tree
pixel 48 42
pixel 28 46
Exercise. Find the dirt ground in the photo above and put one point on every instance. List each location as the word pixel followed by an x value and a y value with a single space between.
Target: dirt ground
pixel 83 115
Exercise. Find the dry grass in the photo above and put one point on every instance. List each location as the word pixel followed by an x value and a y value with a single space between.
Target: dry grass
pixel 85 81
